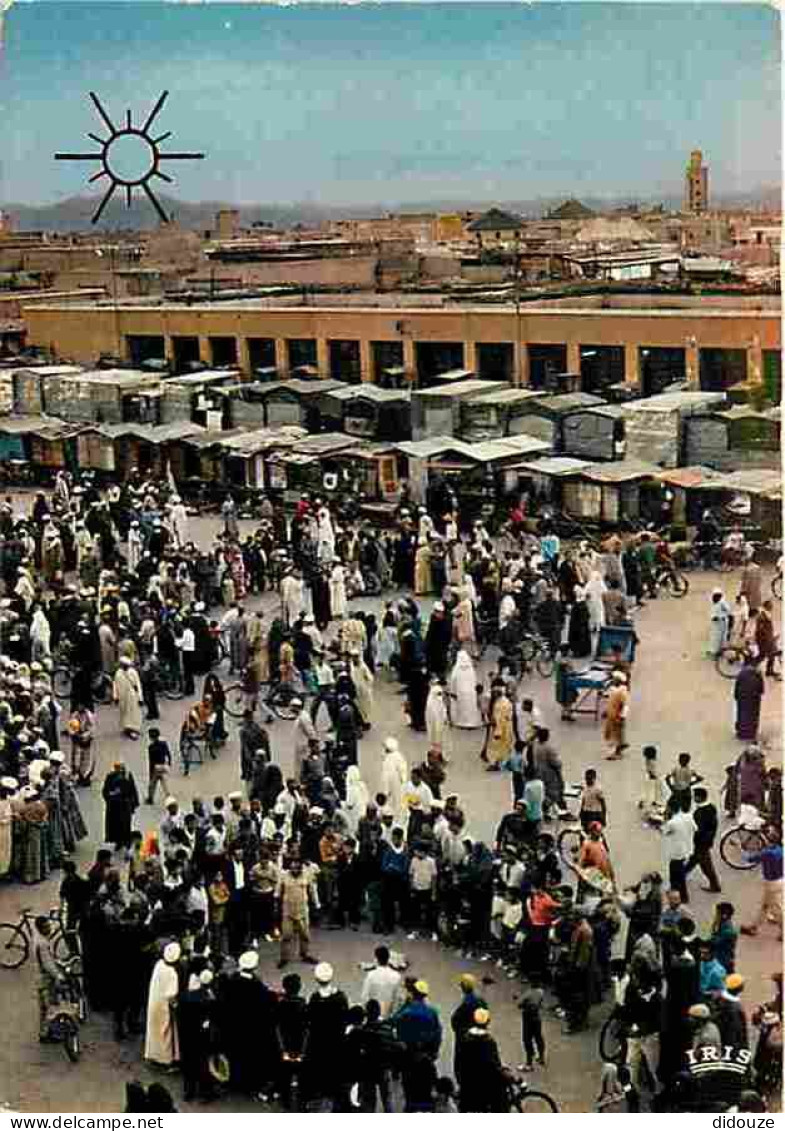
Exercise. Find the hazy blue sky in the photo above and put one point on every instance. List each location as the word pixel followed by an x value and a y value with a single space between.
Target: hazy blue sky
pixel 393 103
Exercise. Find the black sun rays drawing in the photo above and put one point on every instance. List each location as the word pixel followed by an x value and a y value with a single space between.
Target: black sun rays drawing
pixel 130 157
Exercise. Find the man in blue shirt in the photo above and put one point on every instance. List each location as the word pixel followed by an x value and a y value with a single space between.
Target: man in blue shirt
pixel 770 910
pixel 418 1028
pixel 712 972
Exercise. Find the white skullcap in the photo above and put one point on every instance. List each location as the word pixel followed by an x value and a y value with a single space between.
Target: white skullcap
pixel 249 960
pixel 172 953
pixel 323 973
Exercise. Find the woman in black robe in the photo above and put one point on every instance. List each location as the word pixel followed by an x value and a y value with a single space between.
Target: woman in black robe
pixel 320 599
pixel 748 694
pixel 579 632
pixel 122 801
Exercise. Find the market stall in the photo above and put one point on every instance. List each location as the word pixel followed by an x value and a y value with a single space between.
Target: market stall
pixel 437 411
pixel 609 493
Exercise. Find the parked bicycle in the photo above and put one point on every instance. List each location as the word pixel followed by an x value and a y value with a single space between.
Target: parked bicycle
pixel 168 683
pixel 69 1010
pixel 740 845
pixel 730 661
pixel 529 1101
pixel 16 939
pixel 671 582
pixel 277 696
pixel 63 678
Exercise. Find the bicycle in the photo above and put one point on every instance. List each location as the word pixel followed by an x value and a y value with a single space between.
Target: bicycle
pixel 65 1015
pixel 63 678
pixel 16 939
pixel 671 582
pixel 613 1038
pixel 528 1101
pixel 278 698
pixel 746 839
pixel 730 661
pixel 168 683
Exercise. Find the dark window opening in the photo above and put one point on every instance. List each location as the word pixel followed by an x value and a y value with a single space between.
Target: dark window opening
pixel 495 360
pixel 301 351
pixel 261 353
pixel 601 366
pixel 434 358
pixel 545 362
pixel 345 361
pixel 223 351
pixel 185 353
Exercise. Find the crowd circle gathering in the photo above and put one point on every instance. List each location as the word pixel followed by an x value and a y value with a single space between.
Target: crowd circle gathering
pixel 108 601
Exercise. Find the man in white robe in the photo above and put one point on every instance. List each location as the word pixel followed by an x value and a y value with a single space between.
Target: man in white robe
pixel 462 688
pixel 127 692
pixel 179 520
pixel 395 774
pixel 436 722
pixel 362 679
pixel 161 1044
pixel 292 597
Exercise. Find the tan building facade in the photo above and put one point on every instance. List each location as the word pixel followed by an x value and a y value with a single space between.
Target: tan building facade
pixel 707 345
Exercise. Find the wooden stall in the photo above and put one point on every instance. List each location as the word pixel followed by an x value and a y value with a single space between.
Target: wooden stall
pixel 595 432
pixel 437 411
pixel 727 438
pixel 298 401
pixel 370 412
pixel 543 416
pixel 494 415
pixel 609 493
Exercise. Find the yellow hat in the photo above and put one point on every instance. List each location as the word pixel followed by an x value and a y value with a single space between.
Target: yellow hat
pixel 422 988
pixel 734 982
pixel 481 1017
pixel 467 981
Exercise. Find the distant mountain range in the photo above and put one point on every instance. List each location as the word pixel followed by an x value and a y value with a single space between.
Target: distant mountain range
pixel 75 213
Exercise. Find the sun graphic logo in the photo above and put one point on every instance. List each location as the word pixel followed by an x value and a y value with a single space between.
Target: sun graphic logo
pixel 130 157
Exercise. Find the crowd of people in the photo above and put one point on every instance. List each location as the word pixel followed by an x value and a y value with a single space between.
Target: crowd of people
pixel 192 899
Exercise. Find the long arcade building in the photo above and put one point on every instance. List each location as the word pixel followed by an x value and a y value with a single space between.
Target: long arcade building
pixel 645 341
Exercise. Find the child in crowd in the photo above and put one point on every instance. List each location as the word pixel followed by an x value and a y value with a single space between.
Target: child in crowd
pixel 532 1037
pixel 651 799
pixel 681 780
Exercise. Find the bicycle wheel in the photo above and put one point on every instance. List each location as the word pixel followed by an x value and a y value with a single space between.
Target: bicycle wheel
pixel 102 688
pixel 545 664
pixel 61 682
pixel 235 701
pixel 776 586
pixel 60 947
pixel 280 702
pixel 613 1043
pixel 172 689
pixel 71 1038
pixel 729 662
pixel 676 584
pixel 569 846
pixel 737 845
pixel 536 1103
pixel 14 946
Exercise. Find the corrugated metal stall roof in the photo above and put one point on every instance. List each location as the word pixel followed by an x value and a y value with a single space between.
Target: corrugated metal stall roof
pixel 557 465
pixel 622 472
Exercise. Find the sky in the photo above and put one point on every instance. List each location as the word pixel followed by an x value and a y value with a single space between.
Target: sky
pixel 392 103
